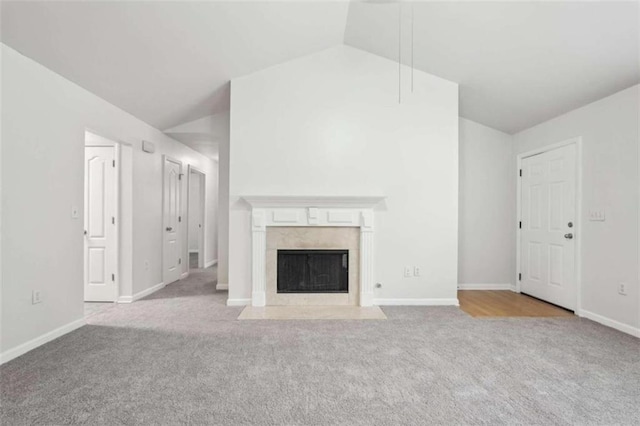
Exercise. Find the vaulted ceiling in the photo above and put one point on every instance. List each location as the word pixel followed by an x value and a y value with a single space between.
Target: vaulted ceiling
pixel 168 62
pixel 518 63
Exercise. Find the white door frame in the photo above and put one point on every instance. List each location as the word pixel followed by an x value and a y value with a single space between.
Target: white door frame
pixel 120 214
pixel 116 209
pixel 203 195
pixel 180 238
pixel 577 141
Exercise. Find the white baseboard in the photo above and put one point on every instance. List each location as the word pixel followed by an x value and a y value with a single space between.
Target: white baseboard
pixel 145 293
pixel 39 341
pixel 125 299
pixel 210 263
pixel 222 286
pixel 625 328
pixel 485 286
pixel 184 275
pixel 416 302
pixel 238 302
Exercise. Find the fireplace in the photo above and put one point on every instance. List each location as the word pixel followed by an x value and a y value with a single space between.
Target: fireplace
pixel 288 223
pixel 313 271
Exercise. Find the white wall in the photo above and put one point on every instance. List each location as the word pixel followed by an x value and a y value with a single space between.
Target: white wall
pixel 330 124
pixel 212 215
pixel 487 207
pixel 223 214
pixel 194 212
pixel 609 131
pixel 44 118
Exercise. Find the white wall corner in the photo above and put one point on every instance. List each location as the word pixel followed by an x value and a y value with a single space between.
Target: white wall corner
pixel 625 328
pixel 13 353
pixel 150 290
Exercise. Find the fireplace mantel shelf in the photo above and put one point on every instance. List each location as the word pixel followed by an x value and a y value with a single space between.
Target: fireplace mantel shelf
pixel 321 201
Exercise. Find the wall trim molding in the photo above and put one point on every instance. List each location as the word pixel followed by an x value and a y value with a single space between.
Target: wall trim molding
pixel 486 286
pixel 140 294
pixel 222 286
pixel 194 251
pixel 238 302
pixel 625 328
pixel 416 302
pixel 22 349
pixel 210 263
pixel 184 275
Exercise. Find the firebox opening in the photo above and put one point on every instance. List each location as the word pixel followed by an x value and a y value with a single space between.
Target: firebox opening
pixel 313 271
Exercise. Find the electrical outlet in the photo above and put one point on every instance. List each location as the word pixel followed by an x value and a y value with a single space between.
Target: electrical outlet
pixel 146 265
pixel 416 271
pixel 75 212
pixel 36 297
pixel 408 271
pixel 622 289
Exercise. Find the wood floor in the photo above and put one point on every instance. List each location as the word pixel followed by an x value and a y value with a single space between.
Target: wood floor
pixel 505 303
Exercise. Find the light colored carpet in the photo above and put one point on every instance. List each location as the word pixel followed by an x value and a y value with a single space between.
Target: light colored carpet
pixel 181 357
pixel 92 308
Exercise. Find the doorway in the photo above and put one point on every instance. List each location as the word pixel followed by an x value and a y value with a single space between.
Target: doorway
pixel 100 230
pixel 108 221
pixel 548 224
pixel 196 218
pixel 171 220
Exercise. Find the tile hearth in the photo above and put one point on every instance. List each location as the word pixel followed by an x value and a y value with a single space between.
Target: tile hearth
pixel 312 313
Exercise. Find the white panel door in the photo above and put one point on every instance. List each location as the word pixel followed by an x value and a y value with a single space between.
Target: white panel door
pixel 100 251
pixel 171 221
pixel 548 226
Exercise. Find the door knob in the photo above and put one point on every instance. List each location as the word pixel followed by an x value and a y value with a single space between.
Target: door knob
pixel 568 236
pixel 171 229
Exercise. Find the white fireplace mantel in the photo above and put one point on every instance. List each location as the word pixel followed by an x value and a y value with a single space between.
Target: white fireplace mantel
pixel 305 201
pixel 335 211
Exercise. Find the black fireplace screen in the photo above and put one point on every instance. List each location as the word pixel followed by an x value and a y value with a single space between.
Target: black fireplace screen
pixel 313 271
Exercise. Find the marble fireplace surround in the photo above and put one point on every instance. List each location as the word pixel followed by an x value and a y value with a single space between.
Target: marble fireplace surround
pixel 312 238
pixel 312 211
